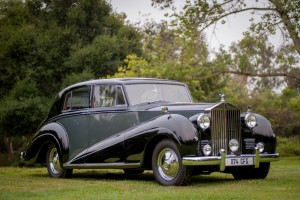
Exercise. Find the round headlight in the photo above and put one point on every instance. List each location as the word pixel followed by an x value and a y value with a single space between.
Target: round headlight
pixel 206 150
pixel 233 145
pixel 203 121
pixel 260 147
pixel 250 120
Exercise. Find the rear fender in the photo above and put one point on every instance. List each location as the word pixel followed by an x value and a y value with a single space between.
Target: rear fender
pixel 50 133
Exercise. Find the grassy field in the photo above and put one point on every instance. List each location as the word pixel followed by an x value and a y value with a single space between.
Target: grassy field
pixel 283 182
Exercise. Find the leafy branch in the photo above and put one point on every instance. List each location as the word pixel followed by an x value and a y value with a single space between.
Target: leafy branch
pixel 262 75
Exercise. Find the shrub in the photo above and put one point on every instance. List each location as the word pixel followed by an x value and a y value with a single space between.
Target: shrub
pixel 288 146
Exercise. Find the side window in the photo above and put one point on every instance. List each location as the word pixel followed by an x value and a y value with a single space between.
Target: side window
pixel 108 96
pixel 120 96
pixel 77 99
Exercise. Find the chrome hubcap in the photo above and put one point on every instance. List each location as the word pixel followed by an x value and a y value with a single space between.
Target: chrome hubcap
pixel 168 164
pixel 54 161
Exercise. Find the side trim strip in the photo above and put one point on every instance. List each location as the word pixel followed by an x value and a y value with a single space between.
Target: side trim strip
pixel 102 166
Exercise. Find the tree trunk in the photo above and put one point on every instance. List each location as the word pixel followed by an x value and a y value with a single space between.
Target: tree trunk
pixel 8 145
pixel 291 28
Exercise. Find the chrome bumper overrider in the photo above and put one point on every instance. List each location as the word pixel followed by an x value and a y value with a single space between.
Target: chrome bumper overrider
pixel 221 160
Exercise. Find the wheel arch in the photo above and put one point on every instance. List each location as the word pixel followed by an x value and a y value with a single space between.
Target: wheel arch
pixel 176 128
pixel 152 144
pixel 41 156
pixel 48 134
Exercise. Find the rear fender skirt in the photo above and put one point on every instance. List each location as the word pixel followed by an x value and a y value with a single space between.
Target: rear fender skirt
pixel 53 132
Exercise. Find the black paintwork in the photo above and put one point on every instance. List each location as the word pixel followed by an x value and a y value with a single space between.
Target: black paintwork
pixel 126 135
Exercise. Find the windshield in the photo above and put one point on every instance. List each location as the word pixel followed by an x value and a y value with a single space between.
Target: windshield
pixel 141 93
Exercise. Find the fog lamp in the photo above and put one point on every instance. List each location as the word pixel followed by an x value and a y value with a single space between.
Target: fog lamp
pixel 206 150
pixel 233 145
pixel 260 147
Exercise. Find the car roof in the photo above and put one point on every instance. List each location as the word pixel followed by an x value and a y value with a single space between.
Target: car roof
pixel 128 81
pixel 121 81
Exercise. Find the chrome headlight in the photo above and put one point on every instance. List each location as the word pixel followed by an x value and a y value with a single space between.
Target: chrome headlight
pixel 250 120
pixel 234 145
pixel 206 150
pixel 260 147
pixel 203 121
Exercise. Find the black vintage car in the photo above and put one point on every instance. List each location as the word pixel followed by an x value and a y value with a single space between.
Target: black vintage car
pixel 138 124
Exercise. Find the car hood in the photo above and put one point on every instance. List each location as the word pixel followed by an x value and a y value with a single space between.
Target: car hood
pixel 158 106
pixel 183 106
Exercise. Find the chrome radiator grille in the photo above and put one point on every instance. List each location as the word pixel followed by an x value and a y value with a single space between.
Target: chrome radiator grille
pixel 225 126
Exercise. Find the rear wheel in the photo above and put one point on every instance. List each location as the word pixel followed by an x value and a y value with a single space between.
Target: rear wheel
pixel 252 173
pixel 167 164
pixel 53 164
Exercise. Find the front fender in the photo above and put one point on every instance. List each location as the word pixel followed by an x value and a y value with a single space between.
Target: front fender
pixel 186 133
pixel 142 138
pixel 263 132
pixel 183 130
pixel 263 127
pixel 37 148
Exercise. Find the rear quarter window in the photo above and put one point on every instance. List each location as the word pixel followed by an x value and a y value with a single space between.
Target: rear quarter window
pixel 78 98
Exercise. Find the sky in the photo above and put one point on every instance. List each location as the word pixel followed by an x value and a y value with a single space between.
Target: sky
pixel 140 10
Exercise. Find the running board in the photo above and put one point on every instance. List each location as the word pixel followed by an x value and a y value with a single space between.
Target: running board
pixel 102 166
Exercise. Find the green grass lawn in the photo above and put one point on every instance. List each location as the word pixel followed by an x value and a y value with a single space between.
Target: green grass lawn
pixel 283 182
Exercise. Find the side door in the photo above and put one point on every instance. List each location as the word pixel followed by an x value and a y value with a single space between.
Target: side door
pixel 75 120
pixel 109 118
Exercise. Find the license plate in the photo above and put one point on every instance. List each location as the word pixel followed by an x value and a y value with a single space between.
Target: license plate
pixel 240 161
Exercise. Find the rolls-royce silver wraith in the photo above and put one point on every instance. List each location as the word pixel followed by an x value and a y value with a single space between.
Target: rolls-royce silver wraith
pixel 138 124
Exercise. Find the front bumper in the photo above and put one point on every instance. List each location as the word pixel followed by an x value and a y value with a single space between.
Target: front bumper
pixel 221 160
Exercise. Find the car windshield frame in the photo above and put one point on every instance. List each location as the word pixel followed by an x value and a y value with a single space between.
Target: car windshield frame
pixel 139 93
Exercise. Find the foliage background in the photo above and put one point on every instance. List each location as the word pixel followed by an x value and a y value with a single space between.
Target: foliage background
pixel 46 45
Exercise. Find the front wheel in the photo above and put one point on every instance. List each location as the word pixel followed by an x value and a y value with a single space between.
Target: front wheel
pixel 167 164
pixel 53 164
pixel 252 173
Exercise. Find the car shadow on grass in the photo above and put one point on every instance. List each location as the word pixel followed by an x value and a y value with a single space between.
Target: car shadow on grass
pixel 216 178
pixel 107 175
pixel 147 176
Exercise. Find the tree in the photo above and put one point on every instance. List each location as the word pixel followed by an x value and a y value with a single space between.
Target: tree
pixel 53 43
pixel 274 14
pixel 17 37
pixel 258 63
pixel 105 53
pixel 21 111
pixel 169 54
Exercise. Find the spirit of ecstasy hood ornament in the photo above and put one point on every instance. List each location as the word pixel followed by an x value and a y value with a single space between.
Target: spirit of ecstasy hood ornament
pixel 222 97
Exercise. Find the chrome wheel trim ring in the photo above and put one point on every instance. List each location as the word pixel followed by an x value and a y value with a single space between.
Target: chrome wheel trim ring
pixel 168 164
pixel 54 163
